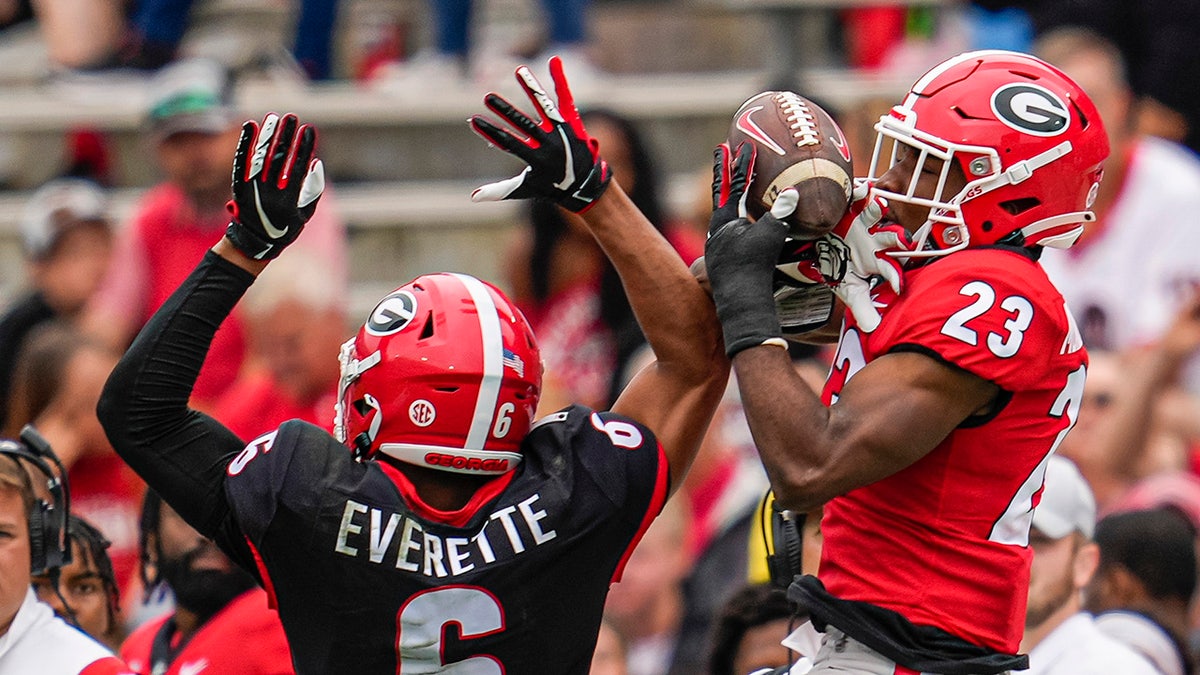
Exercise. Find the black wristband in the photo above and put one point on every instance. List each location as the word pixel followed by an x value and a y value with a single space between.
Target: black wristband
pixel 740 257
pixel 749 323
pixel 247 242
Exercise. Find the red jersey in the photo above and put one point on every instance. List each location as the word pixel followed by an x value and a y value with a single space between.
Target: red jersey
pixel 944 542
pixel 163 241
pixel 245 638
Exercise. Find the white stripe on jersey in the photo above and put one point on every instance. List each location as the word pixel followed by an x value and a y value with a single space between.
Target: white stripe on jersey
pixel 493 364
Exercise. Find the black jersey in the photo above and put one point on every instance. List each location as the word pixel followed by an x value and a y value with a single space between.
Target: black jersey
pixel 368 579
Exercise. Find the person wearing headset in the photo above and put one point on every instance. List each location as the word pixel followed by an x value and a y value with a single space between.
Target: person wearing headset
pixel 33 540
pixel 85 591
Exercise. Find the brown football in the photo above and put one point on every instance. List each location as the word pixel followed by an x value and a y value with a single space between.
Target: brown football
pixel 799 145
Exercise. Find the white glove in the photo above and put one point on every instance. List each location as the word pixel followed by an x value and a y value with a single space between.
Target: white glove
pixel 848 257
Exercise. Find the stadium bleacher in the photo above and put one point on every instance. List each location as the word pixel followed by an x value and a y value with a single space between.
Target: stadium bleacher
pixel 403 162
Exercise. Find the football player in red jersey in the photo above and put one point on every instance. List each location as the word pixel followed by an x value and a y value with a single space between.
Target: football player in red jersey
pixel 950 389
pixel 442 529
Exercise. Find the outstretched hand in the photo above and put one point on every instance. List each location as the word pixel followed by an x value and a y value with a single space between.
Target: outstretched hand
pixel 270 202
pixel 564 161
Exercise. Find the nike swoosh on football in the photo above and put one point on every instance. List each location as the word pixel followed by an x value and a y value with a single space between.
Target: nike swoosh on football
pixel 752 130
pixel 272 231
pixel 840 144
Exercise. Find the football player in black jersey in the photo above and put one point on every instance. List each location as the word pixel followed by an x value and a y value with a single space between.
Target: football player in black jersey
pixel 442 529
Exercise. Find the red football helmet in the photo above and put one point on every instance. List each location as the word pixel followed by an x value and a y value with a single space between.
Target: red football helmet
pixel 1028 140
pixel 444 374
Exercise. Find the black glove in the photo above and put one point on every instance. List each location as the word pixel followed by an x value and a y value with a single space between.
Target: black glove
pixel 564 161
pixel 270 205
pixel 741 256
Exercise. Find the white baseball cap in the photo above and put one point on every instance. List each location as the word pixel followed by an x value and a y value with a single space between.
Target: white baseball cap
pixel 190 95
pixel 55 208
pixel 1067 503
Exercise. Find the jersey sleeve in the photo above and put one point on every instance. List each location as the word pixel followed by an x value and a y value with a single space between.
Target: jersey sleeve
pixel 621 457
pixel 256 478
pixel 992 313
pixel 284 469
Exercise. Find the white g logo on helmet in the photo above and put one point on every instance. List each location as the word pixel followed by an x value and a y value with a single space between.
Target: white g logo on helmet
pixel 1031 109
pixel 392 314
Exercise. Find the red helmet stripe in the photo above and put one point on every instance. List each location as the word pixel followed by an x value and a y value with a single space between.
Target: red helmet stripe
pixel 493 363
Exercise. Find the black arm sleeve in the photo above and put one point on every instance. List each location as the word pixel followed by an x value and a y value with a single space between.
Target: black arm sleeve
pixel 179 452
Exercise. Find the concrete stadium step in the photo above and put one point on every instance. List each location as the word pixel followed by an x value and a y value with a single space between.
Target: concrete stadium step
pixel 397 230
pixel 381 135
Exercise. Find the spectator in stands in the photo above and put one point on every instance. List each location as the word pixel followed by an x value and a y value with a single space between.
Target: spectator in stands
pixel 93 35
pixel 158 26
pixel 722 522
pixel 66 239
pixel 192 126
pixel 85 591
pixel 216 605
pixel 32 638
pixel 1128 428
pixel 295 320
pixel 81 34
pixel 1059 637
pixel 646 606
pixel 56 387
pixel 1145 584
pixel 569 291
pixel 1144 210
pixel 749 631
pixel 454 57
pixel 15 12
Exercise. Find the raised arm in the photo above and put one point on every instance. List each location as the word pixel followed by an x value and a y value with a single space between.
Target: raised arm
pixel 180 452
pixel 677 394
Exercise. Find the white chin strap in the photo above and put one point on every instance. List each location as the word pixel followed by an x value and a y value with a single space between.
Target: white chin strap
pixel 457 460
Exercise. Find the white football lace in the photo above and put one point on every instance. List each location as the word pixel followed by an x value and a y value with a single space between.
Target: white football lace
pixel 800 119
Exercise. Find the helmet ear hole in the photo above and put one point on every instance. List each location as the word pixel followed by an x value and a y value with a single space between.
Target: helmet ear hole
pixel 1018 206
pixel 1083 118
pixel 361 407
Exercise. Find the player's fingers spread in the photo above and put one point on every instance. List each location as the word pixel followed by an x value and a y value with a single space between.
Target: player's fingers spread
pixel 263 147
pixel 282 151
pixel 566 100
pixel 537 93
pixel 493 192
pixel 519 120
pixel 245 147
pixel 306 146
pixel 500 138
pixel 313 186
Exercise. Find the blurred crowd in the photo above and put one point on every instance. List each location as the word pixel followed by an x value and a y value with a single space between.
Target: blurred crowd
pixel 1117 537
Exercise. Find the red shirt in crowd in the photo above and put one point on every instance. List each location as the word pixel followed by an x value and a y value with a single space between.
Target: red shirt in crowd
pixel 245 638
